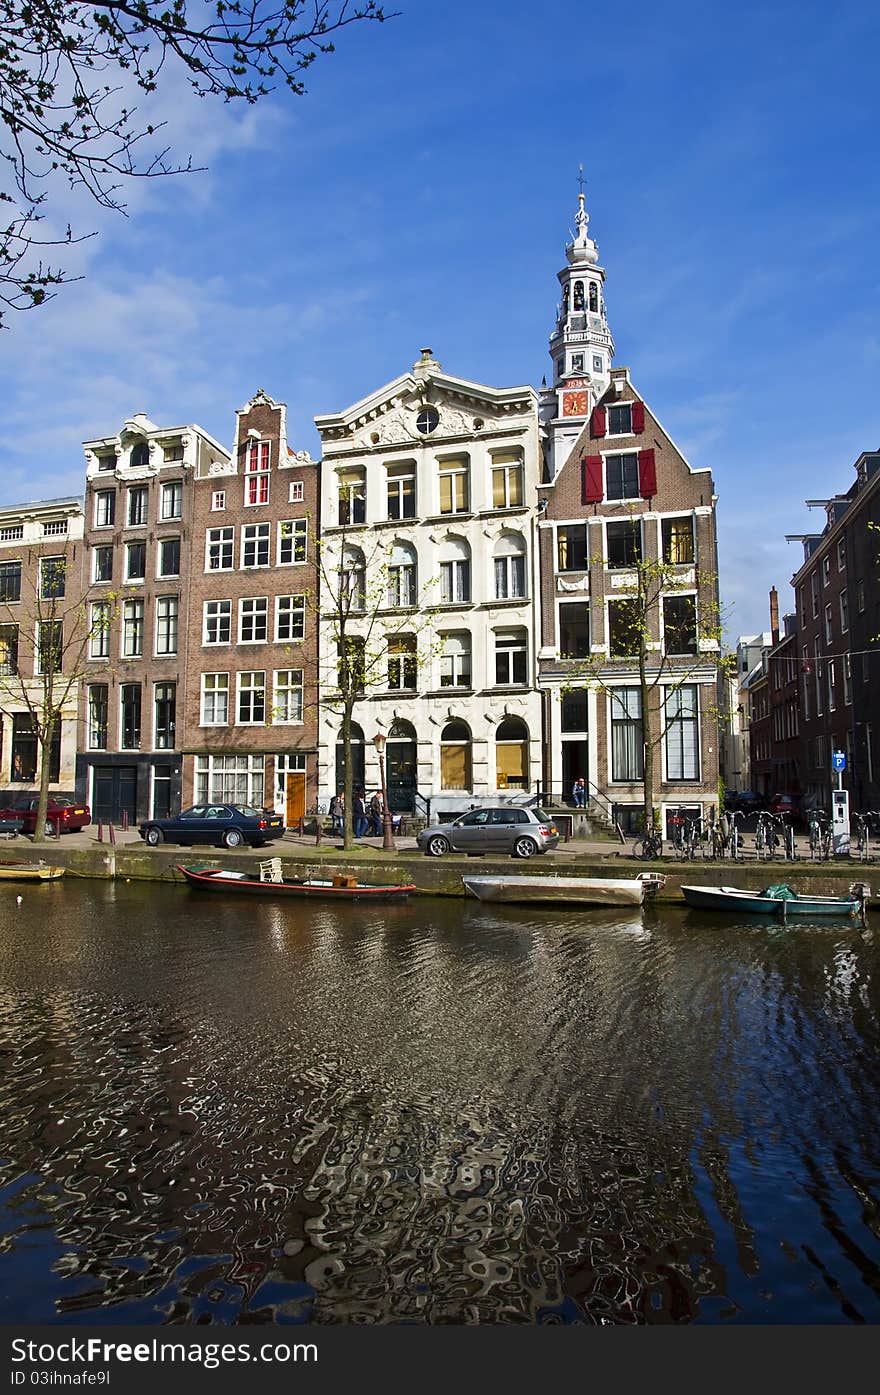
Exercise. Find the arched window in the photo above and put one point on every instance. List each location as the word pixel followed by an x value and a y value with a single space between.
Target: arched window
pixel 578 302
pixel 353 579
pixel 510 567
pixel 512 754
pixel 455 571
pixel 594 297
pixel 565 299
pixel 402 575
pixel 455 756
pixel 140 453
pixel 400 767
pixel 357 759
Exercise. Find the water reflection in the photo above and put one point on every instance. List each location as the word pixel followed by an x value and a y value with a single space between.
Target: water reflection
pixel 431 1113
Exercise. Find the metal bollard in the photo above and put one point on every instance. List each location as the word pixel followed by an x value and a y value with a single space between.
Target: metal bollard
pixel 125 820
pixel 319 829
pixel 100 831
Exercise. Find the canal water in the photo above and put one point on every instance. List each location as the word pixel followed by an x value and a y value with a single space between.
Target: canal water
pixel 439 1112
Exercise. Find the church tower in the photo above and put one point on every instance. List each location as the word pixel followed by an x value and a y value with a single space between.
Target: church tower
pixel 581 346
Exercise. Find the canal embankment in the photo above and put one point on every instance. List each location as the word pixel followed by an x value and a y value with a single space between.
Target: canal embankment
pixel 84 857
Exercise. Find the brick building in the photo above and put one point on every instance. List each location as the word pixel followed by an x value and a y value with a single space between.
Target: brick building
pixel 251 699
pixel 40 561
pixel 135 579
pixel 617 493
pixel 837 602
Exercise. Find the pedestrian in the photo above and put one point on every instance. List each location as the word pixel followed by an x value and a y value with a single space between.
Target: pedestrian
pixel 376 815
pixel 579 793
pixel 337 812
pixel 360 816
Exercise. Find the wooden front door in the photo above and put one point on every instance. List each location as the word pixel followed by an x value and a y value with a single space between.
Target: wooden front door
pixel 295 806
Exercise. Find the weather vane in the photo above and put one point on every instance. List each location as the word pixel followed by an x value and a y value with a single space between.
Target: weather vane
pixel 581 180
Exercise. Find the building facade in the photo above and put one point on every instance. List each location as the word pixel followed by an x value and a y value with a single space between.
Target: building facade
pixel 251 703
pixel 837 604
pixel 619 503
pixel 135 582
pixel 429 488
pixel 41 547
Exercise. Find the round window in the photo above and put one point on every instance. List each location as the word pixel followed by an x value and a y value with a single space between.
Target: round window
pixel 427 420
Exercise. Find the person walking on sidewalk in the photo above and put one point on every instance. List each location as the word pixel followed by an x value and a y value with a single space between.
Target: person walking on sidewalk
pixel 376 816
pixel 337 812
pixel 360 816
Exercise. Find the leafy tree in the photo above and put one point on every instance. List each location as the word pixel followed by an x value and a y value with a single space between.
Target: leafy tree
pixel 377 633
pixel 73 76
pixel 46 638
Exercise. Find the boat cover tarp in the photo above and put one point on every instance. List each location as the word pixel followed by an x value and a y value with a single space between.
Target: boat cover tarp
pixel 779 891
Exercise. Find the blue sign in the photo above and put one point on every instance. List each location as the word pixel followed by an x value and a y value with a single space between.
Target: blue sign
pixel 838 760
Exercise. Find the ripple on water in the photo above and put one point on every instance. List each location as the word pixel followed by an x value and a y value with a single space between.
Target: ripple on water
pixel 436 1114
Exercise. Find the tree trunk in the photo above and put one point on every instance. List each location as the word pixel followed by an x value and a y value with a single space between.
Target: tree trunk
pixel 44 740
pixel 347 778
pixel 648 736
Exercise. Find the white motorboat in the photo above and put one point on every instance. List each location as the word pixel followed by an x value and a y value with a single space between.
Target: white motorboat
pixel 573 891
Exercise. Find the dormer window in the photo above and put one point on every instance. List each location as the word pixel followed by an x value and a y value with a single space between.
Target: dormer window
pixel 140 454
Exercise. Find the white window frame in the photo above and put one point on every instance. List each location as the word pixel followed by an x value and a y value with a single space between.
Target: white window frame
pixel 222 543
pixel 99 642
pixel 295 608
pixel 287 682
pixel 170 619
pixel 296 492
pixel 454 468
pixel 132 628
pixel 156 686
pixel 244 688
pixel 249 770
pixel 172 490
pixel 297 537
pixel 669 692
pixel 520 645
pixel 135 580
pixel 256 478
pixel 508 470
pixel 619 406
pixel 456 666
pixel 139 492
pixel 105 502
pixel 250 610
pixel 607 457
pixel 213 690
pixel 218 501
pixel 262 538
pixel 160 571
pixel 95 550
pixel 216 619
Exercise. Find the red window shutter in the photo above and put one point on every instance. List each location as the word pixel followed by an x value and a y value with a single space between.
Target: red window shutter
pixel 597 423
pixel 638 417
pixel 647 474
pixel 592 479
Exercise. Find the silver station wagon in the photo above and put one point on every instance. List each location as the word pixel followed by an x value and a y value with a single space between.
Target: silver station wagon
pixel 520 832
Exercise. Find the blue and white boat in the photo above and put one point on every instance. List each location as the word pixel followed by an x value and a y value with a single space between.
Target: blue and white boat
pixel 778 900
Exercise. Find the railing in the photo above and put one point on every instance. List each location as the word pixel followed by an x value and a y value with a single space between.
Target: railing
pixel 556 797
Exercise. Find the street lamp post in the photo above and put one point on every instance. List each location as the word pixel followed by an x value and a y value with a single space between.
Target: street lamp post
pixel 388 843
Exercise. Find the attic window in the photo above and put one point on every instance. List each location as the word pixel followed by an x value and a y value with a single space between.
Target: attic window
pixel 427 420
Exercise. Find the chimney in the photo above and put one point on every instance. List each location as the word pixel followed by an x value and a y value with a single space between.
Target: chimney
pixel 774 615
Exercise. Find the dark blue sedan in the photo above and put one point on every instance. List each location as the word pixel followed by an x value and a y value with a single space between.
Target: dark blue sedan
pixel 224 825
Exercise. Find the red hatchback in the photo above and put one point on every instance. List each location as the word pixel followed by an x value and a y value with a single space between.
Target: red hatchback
pixel 62 815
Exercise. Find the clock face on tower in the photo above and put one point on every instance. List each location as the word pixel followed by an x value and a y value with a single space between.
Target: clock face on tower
pixel 574 404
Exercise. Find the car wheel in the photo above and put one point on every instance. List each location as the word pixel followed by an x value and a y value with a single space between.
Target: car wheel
pixel 232 838
pixel 153 836
pixel 525 847
pixel 437 846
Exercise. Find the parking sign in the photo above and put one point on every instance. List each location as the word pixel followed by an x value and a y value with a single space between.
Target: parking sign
pixel 838 760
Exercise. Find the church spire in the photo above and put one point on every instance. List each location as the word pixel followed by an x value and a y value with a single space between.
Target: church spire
pixel 581 345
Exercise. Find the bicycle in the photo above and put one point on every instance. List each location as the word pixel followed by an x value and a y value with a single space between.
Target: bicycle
pixel 766 837
pixel 648 846
pixel 864 824
pixel 735 838
pixel 684 834
pixel 820 837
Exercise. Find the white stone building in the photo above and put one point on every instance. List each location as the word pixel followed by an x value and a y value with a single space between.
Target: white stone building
pixel 429 486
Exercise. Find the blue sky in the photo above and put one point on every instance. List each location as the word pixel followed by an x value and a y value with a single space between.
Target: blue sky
pixel 421 194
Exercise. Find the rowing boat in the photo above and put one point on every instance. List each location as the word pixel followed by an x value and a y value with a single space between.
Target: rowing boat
pixel 29 872
pixel 574 891
pixel 338 888
pixel 778 900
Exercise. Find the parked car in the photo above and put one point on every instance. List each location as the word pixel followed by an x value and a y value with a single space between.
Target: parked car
pixel 62 815
pixel 788 805
pixel 520 832
pixel 10 828
pixel 229 825
pixel 746 801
